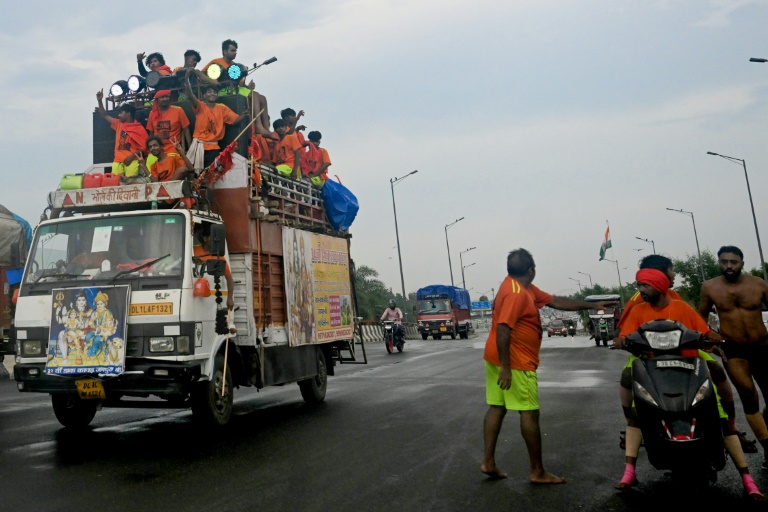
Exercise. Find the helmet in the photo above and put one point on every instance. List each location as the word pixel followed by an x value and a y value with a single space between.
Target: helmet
pixel 392 304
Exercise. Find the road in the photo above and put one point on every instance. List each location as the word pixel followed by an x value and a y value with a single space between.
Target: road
pixel 401 433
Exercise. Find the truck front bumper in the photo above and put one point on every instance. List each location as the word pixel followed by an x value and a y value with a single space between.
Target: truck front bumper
pixel 141 378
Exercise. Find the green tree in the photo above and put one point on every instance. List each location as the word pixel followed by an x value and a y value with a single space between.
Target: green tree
pixel 372 294
pixel 688 280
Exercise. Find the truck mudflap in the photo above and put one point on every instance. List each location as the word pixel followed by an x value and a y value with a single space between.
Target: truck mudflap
pixel 141 378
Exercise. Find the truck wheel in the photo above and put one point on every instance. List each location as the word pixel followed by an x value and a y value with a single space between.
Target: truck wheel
pixel 73 412
pixel 437 336
pixel 313 390
pixel 453 335
pixel 424 336
pixel 208 406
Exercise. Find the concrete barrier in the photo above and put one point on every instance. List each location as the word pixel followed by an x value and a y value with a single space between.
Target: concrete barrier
pixel 6 369
pixel 411 332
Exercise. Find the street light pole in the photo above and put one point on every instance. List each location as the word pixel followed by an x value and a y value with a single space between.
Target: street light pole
pixel 621 286
pixel 449 247
pixel 648 241
pixel 577 282
pixel 589 276
pixel 461 262
pixel 751 204
pixel 392 183
pixel 696 236
pixel 463 284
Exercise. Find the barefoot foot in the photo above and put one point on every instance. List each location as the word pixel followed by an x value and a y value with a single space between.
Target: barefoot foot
pixel 546 478
pixel 492 471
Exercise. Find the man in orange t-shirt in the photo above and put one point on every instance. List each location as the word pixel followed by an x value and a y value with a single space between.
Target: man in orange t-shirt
pixel 168 122
pixel 168 166
pixel 511 358
pixel 210 118
pixel 130 137
pixel 318 175
pixel 287 151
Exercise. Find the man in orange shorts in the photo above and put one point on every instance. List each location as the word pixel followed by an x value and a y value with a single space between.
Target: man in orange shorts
pixel 511 358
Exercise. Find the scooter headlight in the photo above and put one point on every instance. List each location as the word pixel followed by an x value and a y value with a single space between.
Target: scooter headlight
pixel 643 393
pixel 663 340
pixel 702 393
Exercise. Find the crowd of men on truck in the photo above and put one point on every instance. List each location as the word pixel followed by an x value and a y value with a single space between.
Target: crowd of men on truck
pixel 168 147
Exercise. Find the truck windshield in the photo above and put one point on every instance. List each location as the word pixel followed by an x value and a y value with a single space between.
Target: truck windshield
pixel 96 248
pixel 432 307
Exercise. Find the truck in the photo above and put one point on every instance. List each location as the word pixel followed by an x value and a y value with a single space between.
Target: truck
pixel 443 310
pixel 15 235
pixel 122 300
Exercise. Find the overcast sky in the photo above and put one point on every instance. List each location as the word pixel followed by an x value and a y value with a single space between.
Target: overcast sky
pixel 537 121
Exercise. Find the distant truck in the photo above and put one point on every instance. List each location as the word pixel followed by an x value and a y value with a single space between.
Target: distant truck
pixel 15 236
pixel 443 310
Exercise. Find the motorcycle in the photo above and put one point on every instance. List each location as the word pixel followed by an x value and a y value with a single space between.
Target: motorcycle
pixel 391 340
pixel 603 320
pixel 676 402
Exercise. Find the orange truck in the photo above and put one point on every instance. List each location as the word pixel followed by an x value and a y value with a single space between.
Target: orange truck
pixel 443 310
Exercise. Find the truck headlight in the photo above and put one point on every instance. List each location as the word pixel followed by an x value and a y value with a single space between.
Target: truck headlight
pixel 32 347
pixel 449 322
pixel 161 344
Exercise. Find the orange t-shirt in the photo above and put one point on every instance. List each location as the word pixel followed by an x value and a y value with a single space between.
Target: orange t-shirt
pixel 124 145
pixel 285 150
pixel 200 253
pixel 168 125
pixel 518 307
pixel 638 299
pixel 164 170
pixel 677 310
pixel 209 123
pixel 325 160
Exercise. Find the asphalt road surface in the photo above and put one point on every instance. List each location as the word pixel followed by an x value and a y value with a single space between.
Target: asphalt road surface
pixel 403 433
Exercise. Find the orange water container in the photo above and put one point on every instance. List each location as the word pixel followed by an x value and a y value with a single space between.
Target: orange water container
pixel 92 180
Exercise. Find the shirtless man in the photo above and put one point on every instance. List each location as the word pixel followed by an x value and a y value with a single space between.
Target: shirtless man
pixel 738 298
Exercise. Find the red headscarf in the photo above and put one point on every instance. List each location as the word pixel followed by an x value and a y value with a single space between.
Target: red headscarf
pixel 656 279
pixel 159 94
pixel 164 70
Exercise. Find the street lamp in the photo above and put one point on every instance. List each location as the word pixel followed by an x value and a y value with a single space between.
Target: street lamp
pixel 463 284
pixel 392 183
pixel 589 276
pixel 751 204
pixel 577 282
pixel 461 262
pixel 449 247
pixel 701 262
pixel 648 241
pixel 621 286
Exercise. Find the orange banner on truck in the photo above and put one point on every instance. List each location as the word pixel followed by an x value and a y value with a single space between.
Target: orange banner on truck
pixel 318 288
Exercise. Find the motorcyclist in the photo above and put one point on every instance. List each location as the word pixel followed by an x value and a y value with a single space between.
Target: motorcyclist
pixel 394 314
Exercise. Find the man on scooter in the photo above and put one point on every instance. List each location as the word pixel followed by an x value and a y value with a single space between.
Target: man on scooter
pixel 394 314
pixel 653 285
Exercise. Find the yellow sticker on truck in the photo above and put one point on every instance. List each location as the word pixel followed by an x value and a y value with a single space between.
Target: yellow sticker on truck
pixel 155 308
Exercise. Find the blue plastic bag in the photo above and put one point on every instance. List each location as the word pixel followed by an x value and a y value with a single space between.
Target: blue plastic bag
pixel 340 205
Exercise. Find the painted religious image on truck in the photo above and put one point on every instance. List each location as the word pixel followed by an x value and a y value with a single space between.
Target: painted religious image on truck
pixel 318 287
pixel 88 330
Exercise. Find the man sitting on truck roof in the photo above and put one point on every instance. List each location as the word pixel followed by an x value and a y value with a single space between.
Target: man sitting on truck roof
pixel 227 59
pixel 287 151
pixel 130 137
pixel 210 118
pixel 168 122
pixel 168 166
pixel 318 175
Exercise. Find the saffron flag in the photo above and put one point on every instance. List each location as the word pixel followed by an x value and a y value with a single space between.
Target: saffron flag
pixel 606 244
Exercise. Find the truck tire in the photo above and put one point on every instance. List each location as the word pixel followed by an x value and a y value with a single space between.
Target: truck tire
pixel 208 406
pixel 437 336
pixel 424 336
pixel 313 390
pixel 464 334
pixel 453 335
pixel 73 412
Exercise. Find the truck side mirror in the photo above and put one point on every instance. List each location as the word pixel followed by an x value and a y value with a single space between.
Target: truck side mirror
pixel 218 239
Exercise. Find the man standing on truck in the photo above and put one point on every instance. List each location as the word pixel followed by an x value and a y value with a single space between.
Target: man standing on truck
pixel 130 137
pixel 511 358
pixel 210 118
pixel 394 314
pixel 739 299
pixel 168 122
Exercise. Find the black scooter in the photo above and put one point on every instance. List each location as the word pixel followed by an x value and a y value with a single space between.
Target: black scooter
pixel 675 401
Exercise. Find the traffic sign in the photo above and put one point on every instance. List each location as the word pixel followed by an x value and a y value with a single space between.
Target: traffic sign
pixel 481 305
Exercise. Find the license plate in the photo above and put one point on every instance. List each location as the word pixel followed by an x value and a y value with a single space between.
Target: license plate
pixel 158 308
pixel 90 388
pixel 675 364
pixel 443 329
